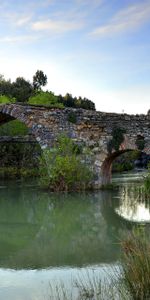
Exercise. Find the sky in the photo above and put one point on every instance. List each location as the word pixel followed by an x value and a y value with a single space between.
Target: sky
pixel 98 49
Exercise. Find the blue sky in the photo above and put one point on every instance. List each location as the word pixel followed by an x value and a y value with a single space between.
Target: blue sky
pixel 99 49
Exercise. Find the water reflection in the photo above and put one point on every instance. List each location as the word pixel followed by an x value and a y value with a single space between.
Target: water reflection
pixel 40 230
pixel 133 206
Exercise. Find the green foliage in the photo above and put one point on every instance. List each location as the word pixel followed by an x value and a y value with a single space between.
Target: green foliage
pixel 46 99
pixel 13 172
pixel 140 142
pixel 22 159
pixel 61 168
pixel 125 161
pixel 117 139
pixel 21 89
pixel 5 87
pixel 13 128
pixel 6 99
pixel 72 117
pixel 39 79
pixel 69 101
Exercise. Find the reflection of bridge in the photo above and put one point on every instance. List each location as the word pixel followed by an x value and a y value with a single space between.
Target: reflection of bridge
pixel 90 128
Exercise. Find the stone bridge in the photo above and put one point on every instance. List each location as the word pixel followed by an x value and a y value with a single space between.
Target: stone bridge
pixel 89 128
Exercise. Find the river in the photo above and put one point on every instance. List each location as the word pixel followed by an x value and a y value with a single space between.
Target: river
pixel 46 238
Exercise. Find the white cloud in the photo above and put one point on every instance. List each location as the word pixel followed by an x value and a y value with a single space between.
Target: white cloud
pixel 128 19
pixel 16 39
pixel 56 27
pixel 23 20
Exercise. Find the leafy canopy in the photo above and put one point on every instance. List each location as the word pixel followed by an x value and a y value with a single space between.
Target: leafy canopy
pixel 39 79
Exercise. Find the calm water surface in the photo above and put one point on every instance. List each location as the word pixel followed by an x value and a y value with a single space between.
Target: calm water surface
pixel 45 237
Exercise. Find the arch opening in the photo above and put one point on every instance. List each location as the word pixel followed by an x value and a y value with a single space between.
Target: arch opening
pixel 19 150
pixel 118 162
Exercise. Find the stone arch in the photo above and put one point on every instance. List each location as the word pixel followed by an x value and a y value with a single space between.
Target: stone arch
pixel 17 112
pixel 107 165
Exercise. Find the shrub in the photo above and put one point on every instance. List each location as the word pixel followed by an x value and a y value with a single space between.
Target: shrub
pixel 117 139
pixel 72 117
pixel 62 169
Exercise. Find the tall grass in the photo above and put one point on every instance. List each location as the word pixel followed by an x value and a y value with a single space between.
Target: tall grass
pixel 147 185
pixel 136 266
pixel 132 282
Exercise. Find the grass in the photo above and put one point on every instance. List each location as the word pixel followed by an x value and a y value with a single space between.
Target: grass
pixel 131 282
pixel 147 184
pixel 84 288
pixel 13 128
pixel 136 266
pixel 47 99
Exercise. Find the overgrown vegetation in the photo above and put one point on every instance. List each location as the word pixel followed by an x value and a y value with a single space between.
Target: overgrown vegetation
pixel 61 168
pixel 24 91
pixel 140 142
pixel 147 183
pixel 125 161
pixel 117 139
pixel 22 159
pixel 72 117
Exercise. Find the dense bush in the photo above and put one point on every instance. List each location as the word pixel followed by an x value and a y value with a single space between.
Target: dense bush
pixel 62 169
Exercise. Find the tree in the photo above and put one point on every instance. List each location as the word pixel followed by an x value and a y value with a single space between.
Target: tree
pixel 39 79
pixel 5 87
pixel 22 89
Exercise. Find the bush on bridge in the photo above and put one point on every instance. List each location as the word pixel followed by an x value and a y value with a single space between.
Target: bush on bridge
pixel 117 139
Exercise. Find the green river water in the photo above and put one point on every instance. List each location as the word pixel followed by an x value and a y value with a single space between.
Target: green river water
pixel 47 237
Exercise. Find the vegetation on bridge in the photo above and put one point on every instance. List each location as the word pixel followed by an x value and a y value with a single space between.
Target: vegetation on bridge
pixel 24 91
